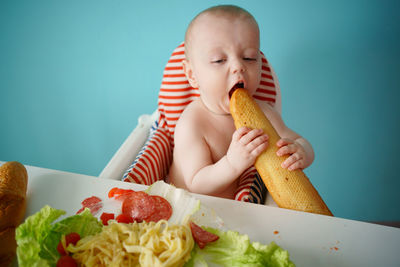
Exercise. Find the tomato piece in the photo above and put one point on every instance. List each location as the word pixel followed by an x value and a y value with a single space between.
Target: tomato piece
pixel 105 217
pixel 66 261
pixel 201 236
pixel 71 238
pixel 138 205
pixel 162 210
pixel 123 218
pixel 61 249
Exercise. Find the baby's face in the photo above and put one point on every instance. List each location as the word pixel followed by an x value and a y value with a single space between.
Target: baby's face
pixel 224 54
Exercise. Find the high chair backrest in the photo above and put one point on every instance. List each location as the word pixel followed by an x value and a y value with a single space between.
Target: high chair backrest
pixel 153 161
pixel 176 92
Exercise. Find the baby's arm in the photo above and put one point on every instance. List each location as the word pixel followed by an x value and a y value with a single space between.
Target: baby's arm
pixel 196 166
pixel 245 147
pixel 300 151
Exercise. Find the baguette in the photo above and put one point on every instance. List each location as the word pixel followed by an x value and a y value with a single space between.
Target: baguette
pixel 289 189
pixel 13 186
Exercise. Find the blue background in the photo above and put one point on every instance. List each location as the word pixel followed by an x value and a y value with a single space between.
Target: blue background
pixel 76 75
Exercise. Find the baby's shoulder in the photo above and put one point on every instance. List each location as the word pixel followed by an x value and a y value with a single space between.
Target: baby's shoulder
pixel 191 118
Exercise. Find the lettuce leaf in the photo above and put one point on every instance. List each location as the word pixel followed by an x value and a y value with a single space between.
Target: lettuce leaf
pixel 31 234
pixel 84 224
pixel 39 235
pixel 234 249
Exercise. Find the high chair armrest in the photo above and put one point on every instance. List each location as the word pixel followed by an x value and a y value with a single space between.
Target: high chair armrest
pixel 128 151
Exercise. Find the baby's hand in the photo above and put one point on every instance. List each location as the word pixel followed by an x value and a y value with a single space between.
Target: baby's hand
pixel 296 160
pixel 245 147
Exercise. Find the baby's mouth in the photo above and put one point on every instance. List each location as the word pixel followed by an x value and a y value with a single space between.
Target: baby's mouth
pixel 236 86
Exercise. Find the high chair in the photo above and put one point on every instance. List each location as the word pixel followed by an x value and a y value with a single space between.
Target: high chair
pixel 146 155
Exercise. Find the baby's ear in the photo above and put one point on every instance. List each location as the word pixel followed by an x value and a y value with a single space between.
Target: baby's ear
pixel 187 68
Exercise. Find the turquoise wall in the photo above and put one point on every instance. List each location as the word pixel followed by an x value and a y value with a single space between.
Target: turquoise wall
pixel 75 76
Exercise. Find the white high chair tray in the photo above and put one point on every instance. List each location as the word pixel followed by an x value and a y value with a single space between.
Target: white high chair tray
pixel 312 240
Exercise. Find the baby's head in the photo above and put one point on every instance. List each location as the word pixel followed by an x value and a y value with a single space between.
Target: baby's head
pixel 222 47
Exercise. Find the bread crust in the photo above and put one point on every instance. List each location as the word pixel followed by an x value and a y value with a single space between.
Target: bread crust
pixel 12 210
pixel 7 237
pixel 14 178
pixel 290 189
pixel 13 186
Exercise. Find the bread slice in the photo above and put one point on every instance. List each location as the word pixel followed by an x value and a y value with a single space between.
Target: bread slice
pixel 14 178
pixel 290 189
pixel 8 247
pixel 13 186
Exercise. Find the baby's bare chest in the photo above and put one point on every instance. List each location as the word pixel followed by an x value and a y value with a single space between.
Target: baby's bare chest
pixel 218 137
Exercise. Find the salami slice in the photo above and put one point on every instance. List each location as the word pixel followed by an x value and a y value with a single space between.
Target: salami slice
pixel 93 203
pixel 90 201
pixel 201 236
pixel 162 210
pixel 138 205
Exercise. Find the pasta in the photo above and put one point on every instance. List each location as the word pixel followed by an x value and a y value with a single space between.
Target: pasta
pixel 135 244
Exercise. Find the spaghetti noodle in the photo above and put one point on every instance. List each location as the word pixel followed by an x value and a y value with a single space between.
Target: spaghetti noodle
pixel 135 244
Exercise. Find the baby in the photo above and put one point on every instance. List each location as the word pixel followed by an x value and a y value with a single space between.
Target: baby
pixel 222 47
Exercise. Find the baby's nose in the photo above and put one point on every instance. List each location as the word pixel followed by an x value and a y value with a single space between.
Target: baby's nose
pixel 237 66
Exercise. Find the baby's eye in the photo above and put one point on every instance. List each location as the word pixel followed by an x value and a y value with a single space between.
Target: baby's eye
pixel 250 58
pixel 218 61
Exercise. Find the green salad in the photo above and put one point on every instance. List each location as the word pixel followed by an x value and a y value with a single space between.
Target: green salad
pixel 38 236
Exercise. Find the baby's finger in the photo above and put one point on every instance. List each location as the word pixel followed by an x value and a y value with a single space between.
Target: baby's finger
pixel 259 149
pixel 283 142
pixel 257 142
pixel 289 149
pixel 239 133
pixel 297 165
pixel 290 160
pixel 250 136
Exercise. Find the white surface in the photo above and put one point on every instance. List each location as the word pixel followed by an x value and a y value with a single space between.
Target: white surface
pixel 310 239
pixel 126 154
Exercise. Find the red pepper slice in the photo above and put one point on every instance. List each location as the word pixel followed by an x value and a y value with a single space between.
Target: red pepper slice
pixel 119 193
pixel 123 218
pixel 105 217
